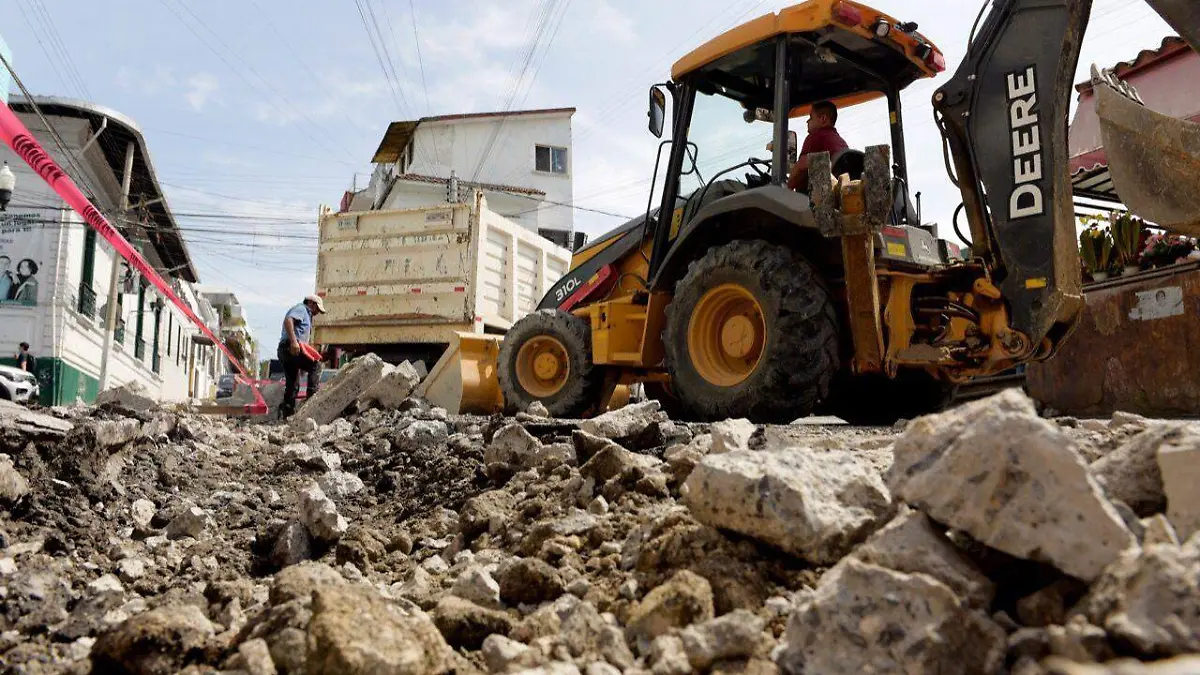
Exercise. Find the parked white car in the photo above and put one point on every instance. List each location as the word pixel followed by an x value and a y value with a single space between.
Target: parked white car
pixel 17 385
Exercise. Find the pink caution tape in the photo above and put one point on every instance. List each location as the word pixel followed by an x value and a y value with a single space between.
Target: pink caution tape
pixel 19 139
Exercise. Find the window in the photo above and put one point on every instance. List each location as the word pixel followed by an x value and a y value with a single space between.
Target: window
pixel 550 159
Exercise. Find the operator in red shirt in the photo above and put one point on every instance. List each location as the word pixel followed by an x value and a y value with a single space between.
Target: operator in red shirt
pixel 822 137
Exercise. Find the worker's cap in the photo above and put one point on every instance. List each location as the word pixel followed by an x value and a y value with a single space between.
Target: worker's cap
pixel 316 300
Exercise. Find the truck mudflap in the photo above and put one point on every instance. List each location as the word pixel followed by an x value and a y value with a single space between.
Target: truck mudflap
pixel 1154 158
pixel 465 380
pixel 1136 349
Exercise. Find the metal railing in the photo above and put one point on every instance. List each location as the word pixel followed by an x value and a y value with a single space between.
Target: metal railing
pixel 119 332
pixel 156 362
pixel 87 301
pixel 139 349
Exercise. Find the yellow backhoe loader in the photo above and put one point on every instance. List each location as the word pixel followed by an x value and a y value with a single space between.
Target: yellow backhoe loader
pixel 747 299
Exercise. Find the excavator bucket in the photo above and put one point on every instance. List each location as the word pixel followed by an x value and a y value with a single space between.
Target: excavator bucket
pixel 465 380
pixel 1154 158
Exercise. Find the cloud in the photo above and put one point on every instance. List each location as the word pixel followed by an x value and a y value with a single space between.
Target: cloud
pixel 146 82
pixel 612 22
pixel 200 87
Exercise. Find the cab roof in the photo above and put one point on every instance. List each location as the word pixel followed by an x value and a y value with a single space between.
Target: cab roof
pixel 846 28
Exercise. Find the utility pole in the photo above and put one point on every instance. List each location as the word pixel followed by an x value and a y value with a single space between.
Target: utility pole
pixel 110 324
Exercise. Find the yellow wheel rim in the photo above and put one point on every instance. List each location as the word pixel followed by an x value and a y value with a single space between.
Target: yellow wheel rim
pixel 543 366
pixel 726 335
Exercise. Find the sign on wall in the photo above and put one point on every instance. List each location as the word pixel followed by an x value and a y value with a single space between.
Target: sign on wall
pixel 22 255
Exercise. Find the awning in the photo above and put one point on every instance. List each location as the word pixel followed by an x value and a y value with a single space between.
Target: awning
pixel 1095 183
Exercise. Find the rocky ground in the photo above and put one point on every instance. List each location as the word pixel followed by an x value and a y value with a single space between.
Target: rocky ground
pixel 397 539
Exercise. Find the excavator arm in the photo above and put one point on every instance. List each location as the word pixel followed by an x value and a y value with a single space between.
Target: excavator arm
pixel 1004 116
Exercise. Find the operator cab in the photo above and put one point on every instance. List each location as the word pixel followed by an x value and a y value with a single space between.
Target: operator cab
pixel 726 98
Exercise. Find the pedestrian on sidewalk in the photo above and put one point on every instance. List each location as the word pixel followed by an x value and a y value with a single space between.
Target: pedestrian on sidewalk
pixel 297 331
pixel 25 360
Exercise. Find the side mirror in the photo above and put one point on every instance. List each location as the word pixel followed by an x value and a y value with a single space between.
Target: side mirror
pixel 658 111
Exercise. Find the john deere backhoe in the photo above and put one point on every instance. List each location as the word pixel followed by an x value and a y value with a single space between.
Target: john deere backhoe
pixel 747 299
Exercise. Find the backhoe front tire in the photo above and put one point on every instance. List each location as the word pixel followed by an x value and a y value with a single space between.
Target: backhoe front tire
pixel 751 332
pixel 547 356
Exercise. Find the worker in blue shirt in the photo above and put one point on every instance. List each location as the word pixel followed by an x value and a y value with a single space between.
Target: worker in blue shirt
pixel 297 330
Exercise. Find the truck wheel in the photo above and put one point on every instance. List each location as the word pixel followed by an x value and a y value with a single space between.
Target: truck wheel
pixel 877 400
pixel 547 357
pixel 662 392
pixel 752 332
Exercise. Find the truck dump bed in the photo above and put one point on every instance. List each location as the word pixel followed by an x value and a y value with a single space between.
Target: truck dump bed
pixel 416 276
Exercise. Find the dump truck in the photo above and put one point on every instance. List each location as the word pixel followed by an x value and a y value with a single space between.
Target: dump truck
pixel 747 298
pixel 402 283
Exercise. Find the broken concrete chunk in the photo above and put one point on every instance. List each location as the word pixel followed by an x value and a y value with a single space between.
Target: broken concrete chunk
pixel 309 457
pixel 684 599
pixel 1130 474
pixel 396 385
pixel 733 635
pixel 867 619
pixel 319 514
pixel 339 484
pixel 292 546
pixel 1179 461
pixel 256 657
pixel 613 460
pixel 816 505
pixel 131 396
pixel 529 581
pixel 13 485
pixel 1150 599
pixel 142 512
pixel 355 631
pixel 162 640
pixel 465 624
pixel 477 585
pixel 512 445
pixel 499 653
pixel 192 521
pixel 115 433
pixel 731 435
pixel 1159 530
pixel 337 394
pixel 667 656
pixel 995 470
pixel 623 422
pixel 913 544
pixel 480 511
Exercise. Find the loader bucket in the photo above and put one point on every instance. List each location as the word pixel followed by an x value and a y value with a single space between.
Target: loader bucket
pixel 465 380
pixel 1183 16
pixel 1154 158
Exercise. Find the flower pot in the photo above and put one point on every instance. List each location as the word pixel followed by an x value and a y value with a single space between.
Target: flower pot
pixel 1100 276
pixel 1130 269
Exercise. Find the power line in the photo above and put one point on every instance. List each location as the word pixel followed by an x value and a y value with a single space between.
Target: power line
pixel 380 52
pixel 299 59
pixel 412 10
pixel 539 29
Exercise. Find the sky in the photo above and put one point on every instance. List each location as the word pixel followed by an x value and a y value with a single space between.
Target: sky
pixel 259 111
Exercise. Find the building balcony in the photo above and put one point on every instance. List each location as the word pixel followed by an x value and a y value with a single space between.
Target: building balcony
pixel 119 332
pixel 139 349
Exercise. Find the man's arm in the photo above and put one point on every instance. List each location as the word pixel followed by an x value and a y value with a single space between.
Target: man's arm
pixel 289 325
pixel 798 180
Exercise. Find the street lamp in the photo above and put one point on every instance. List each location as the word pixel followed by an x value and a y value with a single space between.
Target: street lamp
pixel 7 183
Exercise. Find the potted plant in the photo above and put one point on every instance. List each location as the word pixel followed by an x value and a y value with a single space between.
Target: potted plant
pixel 1127 236
pixel 1096 248
pixel 1167 249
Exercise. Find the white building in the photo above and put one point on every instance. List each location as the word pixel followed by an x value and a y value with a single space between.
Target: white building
pixel 64 268
pixel 235 328
pixel 522 160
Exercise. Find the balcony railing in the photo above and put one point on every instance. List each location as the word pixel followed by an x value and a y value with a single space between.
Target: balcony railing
pixel 119 332
pixel 156 362
pixel 87 301
pixel 139 349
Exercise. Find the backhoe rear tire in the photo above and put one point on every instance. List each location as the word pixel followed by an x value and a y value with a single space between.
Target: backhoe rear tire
pixel 547 356
pixel 751 332
pixel 876 400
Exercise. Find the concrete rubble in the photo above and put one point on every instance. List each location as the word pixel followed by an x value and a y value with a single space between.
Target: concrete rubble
pixel 391 537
